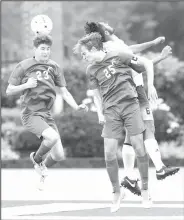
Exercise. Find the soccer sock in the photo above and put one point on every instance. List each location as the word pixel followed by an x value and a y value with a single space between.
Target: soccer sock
pixel 43 149
pixel 128 155
pixel 152 149
pixel 112 170
pixel 49 161
pixel 143 163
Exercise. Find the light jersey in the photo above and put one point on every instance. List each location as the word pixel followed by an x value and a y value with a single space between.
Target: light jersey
pixel 114 46
pixel 48 76
pixel 113 78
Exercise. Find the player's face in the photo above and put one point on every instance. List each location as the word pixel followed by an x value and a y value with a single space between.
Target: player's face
pixel 89 56
pixel 107 27
pixel 42 52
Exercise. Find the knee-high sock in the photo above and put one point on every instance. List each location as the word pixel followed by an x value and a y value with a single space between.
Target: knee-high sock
pixel 112 170
pixel 152 149
pixel 128 155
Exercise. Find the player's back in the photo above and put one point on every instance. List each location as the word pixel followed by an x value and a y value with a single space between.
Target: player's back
pixel 114 79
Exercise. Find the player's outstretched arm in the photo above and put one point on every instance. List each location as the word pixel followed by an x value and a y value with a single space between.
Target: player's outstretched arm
pixel 166 52
pixel 98 104
pixel 13 90
pixel 137 48
pixel 70 100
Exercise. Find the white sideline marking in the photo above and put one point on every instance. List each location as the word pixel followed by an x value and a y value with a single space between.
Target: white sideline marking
pixel 96 217
pixel 60 207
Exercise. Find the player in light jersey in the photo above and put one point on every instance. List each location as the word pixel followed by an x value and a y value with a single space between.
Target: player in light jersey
pixel 36 79
pixel 110 78
pixel 113 43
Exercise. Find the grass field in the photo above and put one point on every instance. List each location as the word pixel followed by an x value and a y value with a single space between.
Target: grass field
pixel 85 194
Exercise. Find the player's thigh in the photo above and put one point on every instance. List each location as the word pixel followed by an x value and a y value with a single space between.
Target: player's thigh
pixel 113 127
pixel 133 120
pixel 127 137
pixel 34 124
pixel 50 121
pixel 146 112
pixel 149 132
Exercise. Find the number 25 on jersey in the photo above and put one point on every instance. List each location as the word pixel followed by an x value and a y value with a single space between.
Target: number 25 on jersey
pixel 109 71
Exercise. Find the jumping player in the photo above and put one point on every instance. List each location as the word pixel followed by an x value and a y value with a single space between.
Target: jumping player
pixel 36 78
pixel 113 43
pixel 112 81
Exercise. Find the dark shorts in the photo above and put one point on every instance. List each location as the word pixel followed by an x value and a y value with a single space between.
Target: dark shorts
pixel 146 111
pixel 37 122
pixel 126 115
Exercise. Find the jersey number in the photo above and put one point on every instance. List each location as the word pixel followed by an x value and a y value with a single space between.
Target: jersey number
pixel 109 71
pixel 43 75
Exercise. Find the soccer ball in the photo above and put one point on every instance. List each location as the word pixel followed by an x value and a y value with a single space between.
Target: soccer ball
pixel 41 24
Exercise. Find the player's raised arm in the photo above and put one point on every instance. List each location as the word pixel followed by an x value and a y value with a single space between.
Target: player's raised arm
pixel 13 90
pixel 166 52
pixel 137 48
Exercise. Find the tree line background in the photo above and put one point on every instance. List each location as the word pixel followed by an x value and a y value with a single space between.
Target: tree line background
pixel 134 22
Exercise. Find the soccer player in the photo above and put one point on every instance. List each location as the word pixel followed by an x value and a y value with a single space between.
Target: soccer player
pixel 36 79
pixel 112 81
pixel 113 43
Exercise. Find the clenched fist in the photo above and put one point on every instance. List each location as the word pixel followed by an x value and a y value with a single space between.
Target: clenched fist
pixel 32 82
pixel 167 51
pixel 159 40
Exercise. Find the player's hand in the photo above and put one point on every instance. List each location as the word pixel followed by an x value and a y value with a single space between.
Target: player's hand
pixel 83 107
pixel 166 52
pixel 159 40
pixel 152 94
pixel 101 119
pixel 32 82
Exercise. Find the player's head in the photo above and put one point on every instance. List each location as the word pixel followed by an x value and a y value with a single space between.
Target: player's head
pixel 89 47
pixel 101 27
pixel 42 44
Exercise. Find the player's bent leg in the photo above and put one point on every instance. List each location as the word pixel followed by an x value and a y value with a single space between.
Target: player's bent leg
pixel 55 155
pixel 110 150
pixel 50 137
pixel 153 150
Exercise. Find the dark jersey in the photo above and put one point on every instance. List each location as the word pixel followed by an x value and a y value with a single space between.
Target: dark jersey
pixel 113 77
pixel 48 75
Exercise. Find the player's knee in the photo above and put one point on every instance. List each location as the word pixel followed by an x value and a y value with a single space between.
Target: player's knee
pixel 50 136
pixel 138 145
pixel 110 149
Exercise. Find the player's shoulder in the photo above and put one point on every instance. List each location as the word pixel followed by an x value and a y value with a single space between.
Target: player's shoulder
pixel 52 62
pixel 89 69
pixel 26 63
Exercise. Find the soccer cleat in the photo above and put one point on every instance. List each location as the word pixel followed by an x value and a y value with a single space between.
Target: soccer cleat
pixel 116 201
pixel 131 185
pixel 166 171
pixel 41 169
pixel 146 199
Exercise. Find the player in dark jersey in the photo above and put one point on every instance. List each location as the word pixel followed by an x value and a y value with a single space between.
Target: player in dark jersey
pixel 112 43
pixel 110 78
pixel 36 78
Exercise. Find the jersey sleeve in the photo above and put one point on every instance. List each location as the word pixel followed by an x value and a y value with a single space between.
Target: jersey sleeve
pixel 16 76
pixel 92 81
pixel 59 79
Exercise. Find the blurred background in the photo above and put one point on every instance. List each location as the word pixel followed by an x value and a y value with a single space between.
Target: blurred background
pixel 134 22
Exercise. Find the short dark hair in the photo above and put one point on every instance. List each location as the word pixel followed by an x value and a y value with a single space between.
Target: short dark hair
pixel 89 41
pixel 42 39
pixel 91 27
